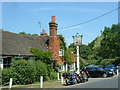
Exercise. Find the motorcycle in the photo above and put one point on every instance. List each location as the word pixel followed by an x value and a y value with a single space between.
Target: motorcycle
pixel 87 73
pixel 71 78
pixel 84 76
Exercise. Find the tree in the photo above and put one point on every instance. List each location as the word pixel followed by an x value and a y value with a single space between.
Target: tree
pixel 73 47
pixel 110 44
pixel 62 42
pixel 44 56
pixel 68 57
pixel 85 52
pixel 103 48
pixel 35 35
pixel 24 33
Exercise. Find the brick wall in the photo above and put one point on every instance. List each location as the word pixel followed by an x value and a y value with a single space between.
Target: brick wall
pixel 54 41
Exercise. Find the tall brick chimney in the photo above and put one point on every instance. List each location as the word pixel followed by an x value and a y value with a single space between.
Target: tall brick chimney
pixel 43 33
pixel 53 26
pixel 54 41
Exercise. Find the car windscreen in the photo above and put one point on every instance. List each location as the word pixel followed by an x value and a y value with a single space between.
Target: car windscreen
pixel 109 66
pixel 92 69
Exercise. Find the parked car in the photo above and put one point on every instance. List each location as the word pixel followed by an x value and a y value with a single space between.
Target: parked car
pixel 100 66
pixel 96 71
pixel 111 68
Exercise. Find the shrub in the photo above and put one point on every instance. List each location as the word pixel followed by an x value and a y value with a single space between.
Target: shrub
pixel 53 75
pixel 41 70
pixel 8 73
pixel 25 71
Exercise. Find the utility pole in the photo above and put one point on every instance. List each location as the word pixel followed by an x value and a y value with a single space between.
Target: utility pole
pixel 39 24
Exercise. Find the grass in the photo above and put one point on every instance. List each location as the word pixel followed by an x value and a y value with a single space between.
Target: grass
pixel 46 84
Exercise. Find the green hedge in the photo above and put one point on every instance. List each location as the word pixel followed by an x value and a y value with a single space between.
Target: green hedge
pixel 41 70
pixel 8 73
pixel 22 72
pixel 53 75
pixel 25 72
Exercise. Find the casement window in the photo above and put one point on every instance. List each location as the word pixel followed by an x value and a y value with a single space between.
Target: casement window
pixel 7 61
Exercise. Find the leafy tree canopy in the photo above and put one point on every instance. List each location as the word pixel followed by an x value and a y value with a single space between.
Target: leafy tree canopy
pixel 68 57
pixel 110 44
pixel 24 33
pixel 45 56
pixel 62 42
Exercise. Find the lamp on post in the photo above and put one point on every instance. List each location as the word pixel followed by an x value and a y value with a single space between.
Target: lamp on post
pixel 77 40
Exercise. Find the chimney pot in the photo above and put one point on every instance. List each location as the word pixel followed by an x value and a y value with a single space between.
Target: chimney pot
pixel 54 18
pixel 43 31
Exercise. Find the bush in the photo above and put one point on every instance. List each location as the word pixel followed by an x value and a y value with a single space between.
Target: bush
pixel 41 70
pixel 53 75
pixel 8 73
pixel 25 71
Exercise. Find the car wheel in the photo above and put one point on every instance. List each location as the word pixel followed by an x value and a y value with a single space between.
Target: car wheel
pixel 104 75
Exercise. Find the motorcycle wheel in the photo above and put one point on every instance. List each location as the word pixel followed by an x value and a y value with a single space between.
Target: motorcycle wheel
pixel 66 82
pixel 87 79
pixel 78 81
pixel 81 80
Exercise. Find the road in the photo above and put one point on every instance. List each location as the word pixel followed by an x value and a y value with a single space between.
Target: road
pixel 109 82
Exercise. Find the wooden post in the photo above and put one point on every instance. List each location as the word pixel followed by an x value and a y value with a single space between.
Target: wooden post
pixel 58 76
pixel 61 79
pixel 63 68
pixel 41 81
pixel 117 72
pixel 74 66
pixel 1 66
pixel 66 67
pixel 10 83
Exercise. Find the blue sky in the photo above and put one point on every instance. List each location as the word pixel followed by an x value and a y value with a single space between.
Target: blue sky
pixel 24 16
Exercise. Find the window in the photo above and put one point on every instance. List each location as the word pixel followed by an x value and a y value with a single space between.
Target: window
pixel 7 61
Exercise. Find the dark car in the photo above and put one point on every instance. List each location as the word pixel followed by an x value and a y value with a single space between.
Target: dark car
pixel 111 68
pixel 100 66
pixel 96 71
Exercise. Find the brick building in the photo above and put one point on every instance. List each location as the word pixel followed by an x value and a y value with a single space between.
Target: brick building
pixel 16 46
pixel 54 41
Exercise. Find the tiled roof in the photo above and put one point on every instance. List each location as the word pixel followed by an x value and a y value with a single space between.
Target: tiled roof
pixel 16 44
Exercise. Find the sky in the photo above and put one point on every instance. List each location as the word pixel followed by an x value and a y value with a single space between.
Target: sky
pixel 24 17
